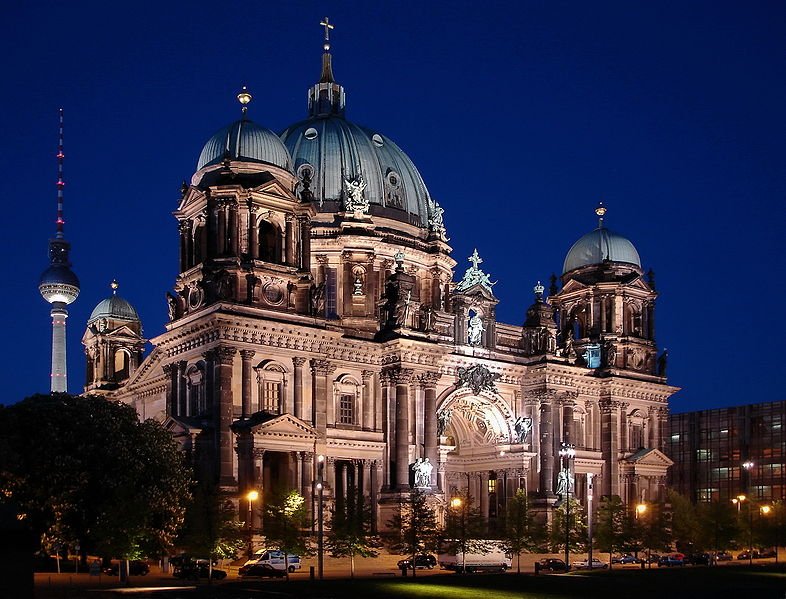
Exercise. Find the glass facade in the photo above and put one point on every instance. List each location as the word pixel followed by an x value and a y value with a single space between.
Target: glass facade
pixel 709 447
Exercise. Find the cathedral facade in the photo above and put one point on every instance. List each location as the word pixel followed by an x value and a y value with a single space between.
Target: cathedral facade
pixel 317 334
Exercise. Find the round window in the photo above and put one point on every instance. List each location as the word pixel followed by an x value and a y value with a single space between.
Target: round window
pixel 311 133
pixel 377 139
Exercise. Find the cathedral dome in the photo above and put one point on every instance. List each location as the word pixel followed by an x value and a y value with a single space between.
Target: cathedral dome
pixel 599 246
pixel 246 141
pixel 334 149
pixel 115 308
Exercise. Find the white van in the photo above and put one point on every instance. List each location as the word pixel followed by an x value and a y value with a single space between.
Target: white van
pixel 275 559
pixel 494 559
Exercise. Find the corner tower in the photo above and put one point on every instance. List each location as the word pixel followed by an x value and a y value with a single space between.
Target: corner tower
pixel 59 285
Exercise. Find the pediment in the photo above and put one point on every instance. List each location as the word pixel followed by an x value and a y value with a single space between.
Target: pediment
pixel 193 196
pixel 639 283
pixel 182 427
pixel 284 425
pixel 650 457
pixel 273 187
pixel 573 285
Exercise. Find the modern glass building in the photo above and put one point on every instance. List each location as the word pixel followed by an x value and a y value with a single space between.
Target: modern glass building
pixel 709 448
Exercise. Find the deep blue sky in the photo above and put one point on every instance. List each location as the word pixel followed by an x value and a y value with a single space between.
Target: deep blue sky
pixel 519 115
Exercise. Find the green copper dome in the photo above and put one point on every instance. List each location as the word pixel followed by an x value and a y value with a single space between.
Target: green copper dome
pixel 599 246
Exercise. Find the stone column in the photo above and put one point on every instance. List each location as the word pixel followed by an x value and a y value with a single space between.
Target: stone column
pixel 428 382
pixel 233 229
pixel 609 445
pixel 181 389
pixel 484 497
pixel 368 400
pixel 225 356
pixel 320 372
pixel 330 471
pixel 376 485
pixel 567 420
pixel 253 231
pixel 546 482
pixel 289 240
pixel 298 391
pixel 624 443
pixel 170 372
pixel 305 244
pixel 402 377
pixel 245 356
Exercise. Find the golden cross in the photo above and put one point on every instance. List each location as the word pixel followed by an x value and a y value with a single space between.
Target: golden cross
pixel 326 24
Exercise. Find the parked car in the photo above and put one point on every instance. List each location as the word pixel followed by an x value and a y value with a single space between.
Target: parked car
pixel 195 570
pixel 653 558
pixel 550 564
pixel 698 559
pixel 584 564
pixel 765 553
pixel 626 559
pixel 135 568
pixel 261 570
pixel 747 555
pixel 723 556
pixel 675 559
pixel 421 561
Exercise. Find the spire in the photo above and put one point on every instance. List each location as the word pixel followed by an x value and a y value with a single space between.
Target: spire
pixel 327 63
pixel 114 285
pixel 60 182
pixel 326 97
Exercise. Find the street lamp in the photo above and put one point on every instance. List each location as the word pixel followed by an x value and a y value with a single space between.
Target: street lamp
pixel 589 516
pixel 748 465
pixel 567 452
pixel 252 496
pixel 320 517
pixel 641 508
pixel 457 503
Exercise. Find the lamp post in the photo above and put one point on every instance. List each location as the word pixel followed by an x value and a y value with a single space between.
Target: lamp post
pixel 567 452
pixel 456 503
pixel 320 517
pixel 252 496
pixel 641 508
pixel 589 517
pixel 748 465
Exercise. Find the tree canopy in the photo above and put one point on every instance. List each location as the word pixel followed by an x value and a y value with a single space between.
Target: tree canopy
pixel 85 471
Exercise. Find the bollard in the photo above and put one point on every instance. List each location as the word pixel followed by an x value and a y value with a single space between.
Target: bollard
pixel 311 572
pixel 537 568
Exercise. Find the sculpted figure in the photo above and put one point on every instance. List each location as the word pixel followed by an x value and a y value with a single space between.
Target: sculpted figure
pixel 475 330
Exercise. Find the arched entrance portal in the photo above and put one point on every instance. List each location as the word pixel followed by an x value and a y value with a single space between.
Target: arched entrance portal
pixel 480 452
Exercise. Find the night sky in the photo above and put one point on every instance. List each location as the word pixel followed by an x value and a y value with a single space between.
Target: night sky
pixel 519 115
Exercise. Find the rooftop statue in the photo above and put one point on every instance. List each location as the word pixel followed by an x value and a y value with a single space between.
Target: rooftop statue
pixel 474 275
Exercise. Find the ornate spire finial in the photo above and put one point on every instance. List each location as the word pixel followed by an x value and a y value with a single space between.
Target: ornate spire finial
pixel 539 289
pixel 114 285
pixel 244 97
pixel 600 211
pixel 328 26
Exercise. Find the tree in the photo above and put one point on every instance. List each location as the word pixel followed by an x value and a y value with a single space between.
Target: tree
pixel 684 521
pixel 351 536
pixel 86 472
pixel 610 524
pixel 417 526
pixel 656 527
pixel 520 532
pixel 464 528
pixel 577 535
pixel 286 519
pixel 211 527
pixel 718 525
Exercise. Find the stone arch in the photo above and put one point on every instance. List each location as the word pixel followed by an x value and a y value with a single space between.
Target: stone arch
pixel 476 420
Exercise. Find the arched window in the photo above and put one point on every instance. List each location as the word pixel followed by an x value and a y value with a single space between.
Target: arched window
pixel 271 384
pixel 122 365
pixel 269 242
pixel 347 398
pixel 195 389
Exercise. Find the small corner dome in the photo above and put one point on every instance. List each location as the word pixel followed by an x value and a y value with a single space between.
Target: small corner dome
pixel 114 308
pixel 599 246
pixel 246 141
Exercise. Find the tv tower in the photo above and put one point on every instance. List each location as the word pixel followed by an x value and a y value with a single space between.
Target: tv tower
pixel 59 285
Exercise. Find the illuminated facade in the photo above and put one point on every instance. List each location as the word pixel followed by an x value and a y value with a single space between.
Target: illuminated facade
pixel 316 314
pixel 709 447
